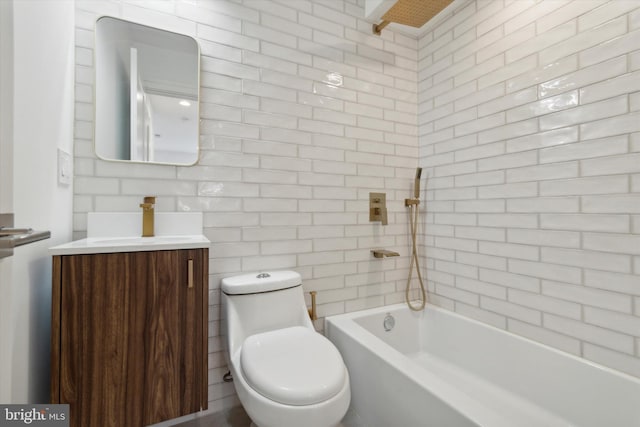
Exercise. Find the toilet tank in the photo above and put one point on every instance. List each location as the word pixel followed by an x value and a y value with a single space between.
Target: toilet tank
pixel 261 302
pixel 256 283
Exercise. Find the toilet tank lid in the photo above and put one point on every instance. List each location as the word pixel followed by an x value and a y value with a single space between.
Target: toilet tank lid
pixel 260 282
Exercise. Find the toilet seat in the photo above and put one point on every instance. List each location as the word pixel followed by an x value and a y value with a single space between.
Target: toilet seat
pixel 293 366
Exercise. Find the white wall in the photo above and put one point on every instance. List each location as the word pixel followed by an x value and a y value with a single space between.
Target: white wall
pixel 529 118
pixel 42 109
pixel 6 187
pixel 304 112
pixel 6 103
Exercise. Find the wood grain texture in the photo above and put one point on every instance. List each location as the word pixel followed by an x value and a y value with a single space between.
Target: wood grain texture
pixel 131 347
pixel 204 333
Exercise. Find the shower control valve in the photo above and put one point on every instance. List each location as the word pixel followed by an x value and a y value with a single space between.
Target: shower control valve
pixel 378 207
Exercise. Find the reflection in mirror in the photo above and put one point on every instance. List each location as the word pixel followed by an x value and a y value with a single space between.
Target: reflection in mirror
pixel 147 85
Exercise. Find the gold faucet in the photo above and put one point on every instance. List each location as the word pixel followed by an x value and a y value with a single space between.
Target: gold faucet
pixel 147 216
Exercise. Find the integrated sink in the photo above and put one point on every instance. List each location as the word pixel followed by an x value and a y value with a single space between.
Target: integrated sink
pixel 121 232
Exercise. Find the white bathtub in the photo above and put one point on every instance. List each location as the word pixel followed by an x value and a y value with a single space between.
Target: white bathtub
pixel 436 368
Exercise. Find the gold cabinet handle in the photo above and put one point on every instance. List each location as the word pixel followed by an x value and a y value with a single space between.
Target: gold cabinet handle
pixel 190 273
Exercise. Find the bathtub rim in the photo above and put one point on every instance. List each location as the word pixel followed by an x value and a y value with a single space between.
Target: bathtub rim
pixel 346 321
pixel 467 407
pixel 346 325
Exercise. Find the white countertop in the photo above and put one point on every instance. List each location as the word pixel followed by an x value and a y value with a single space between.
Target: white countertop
pixel 99 245
pixel 120 232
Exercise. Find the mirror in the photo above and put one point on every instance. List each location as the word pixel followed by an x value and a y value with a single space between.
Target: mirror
pixel 147 86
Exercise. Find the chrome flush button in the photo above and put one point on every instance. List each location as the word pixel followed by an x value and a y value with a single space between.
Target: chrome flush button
pixel 263 276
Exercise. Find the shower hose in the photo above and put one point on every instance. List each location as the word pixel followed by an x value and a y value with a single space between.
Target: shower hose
pixel 413 222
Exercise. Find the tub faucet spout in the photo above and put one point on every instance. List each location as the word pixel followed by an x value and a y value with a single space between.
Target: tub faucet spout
pixel 381 253
pixel 147 216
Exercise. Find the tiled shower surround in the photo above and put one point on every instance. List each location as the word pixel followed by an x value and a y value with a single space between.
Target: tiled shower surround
pixel 522 113
pixel 529 116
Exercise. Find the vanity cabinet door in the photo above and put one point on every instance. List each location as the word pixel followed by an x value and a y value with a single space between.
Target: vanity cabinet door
pixel 129 336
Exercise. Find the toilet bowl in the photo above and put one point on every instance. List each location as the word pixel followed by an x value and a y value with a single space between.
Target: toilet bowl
pixel 285 373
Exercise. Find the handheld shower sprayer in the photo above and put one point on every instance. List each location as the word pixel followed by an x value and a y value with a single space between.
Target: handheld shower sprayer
pixel 416 184
pixel 416 190
pixel 414 209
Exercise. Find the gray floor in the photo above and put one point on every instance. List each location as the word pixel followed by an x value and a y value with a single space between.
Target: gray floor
pixel 237 417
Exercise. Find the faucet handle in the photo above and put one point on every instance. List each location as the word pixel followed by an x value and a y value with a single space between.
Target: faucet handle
pixel 150 199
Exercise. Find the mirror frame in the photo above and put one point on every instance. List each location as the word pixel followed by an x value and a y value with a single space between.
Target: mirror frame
pixel 95 98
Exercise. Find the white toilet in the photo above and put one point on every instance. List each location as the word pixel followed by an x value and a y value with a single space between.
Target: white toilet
pixel 285 373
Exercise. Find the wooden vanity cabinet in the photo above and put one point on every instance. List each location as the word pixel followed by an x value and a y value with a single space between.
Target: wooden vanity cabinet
pixel 129 336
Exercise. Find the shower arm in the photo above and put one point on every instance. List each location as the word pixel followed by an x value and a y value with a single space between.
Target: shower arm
pixel 377 28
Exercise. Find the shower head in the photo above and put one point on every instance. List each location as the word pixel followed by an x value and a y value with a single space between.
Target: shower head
pixel 414 13
pixel 416 184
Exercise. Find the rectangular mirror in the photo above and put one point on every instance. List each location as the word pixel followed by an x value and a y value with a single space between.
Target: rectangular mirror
pixel 147 94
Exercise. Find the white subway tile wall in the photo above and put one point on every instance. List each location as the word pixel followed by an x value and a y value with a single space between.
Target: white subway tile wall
pixel 303 113
pixel 529 135
pixel 524 114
